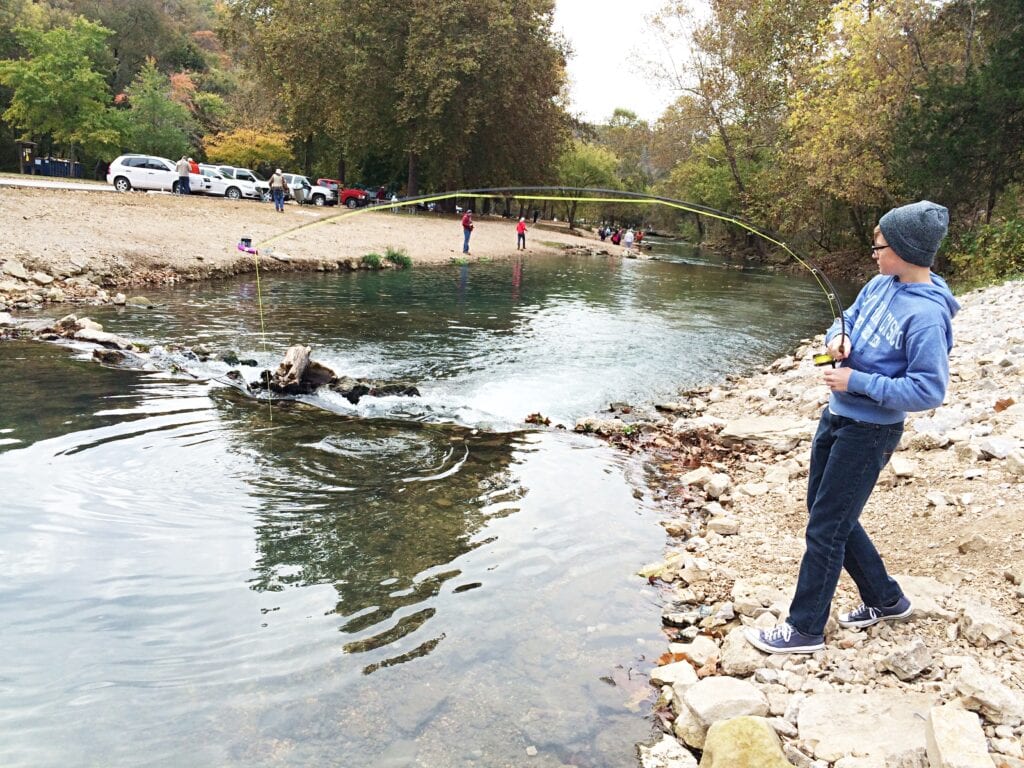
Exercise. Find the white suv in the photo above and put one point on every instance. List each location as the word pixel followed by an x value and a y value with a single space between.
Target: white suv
pixel 129 172
pixel 248 183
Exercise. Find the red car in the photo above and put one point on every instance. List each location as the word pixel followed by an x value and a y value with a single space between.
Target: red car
pixel 350 198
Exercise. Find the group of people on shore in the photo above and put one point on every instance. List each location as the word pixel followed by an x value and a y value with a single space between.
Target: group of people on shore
pixel 618 236
pixel 467 231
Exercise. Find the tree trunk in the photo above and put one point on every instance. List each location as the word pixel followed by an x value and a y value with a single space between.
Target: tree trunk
pixel 341 169
pixel 412 184
pixel 307 154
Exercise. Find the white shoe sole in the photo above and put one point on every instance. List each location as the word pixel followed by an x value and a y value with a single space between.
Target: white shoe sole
pixel 871 622
pixel 754 638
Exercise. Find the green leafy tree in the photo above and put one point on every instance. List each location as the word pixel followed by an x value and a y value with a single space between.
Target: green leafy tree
pixel 155 123
pixel 58 90
pixel 962 139
pixel 586 165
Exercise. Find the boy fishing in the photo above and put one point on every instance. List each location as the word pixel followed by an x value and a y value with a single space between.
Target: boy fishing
pixel 894 359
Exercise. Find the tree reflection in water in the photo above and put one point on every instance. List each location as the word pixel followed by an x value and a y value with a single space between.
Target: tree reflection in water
pixel 375 508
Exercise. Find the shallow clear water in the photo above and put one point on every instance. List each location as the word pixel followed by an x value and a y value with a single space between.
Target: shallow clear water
pixel 189 578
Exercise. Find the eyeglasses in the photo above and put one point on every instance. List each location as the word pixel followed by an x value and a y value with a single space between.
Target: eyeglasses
pixel 877 248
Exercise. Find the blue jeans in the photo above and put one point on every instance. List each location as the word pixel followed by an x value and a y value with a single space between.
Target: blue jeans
pixel 184 185
pixel 846 459
pixel 278 198
pixel 466 232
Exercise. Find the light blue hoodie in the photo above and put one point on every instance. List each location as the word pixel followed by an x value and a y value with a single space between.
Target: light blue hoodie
pixel 900 335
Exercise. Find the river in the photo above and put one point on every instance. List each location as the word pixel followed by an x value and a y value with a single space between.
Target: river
pixel 191 577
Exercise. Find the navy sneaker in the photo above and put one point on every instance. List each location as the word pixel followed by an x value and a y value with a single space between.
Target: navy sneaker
pixel 866 615
pixel 784 639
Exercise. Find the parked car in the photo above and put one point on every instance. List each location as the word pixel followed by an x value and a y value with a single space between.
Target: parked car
pixel 218 184
pixel 129 172
pixel 350 197
pixel 300 189
pixel 249 183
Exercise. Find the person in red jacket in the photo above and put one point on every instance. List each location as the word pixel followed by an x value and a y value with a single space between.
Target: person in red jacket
pixel 467 229
pixel 521 234
pixel 193 166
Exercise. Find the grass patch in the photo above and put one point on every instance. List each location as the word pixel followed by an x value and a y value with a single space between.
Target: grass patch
pixel 372 260
pixel 459 260
pixel 398 257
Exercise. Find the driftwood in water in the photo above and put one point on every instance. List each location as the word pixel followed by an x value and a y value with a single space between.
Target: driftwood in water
pixel 289 373
pixel 298 375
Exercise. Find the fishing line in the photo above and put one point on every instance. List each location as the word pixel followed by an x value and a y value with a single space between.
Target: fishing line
pixel 245 245
pixel 605 196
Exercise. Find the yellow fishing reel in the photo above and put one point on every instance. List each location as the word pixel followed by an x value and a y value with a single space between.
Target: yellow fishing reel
pixel 824 358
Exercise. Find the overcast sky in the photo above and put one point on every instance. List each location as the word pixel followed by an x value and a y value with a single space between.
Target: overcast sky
pixel 610 39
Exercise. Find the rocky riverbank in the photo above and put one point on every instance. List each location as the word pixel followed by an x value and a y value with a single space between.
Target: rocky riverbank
pixel 943 690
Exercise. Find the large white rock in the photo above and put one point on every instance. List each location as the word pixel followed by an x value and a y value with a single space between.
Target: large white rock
pixel 887 725
pixel 955 739
pixel 739 658
pixel 667 753
pixel 781 434
pixel 928 596
pixel 983 625
pixel 679 675
pixel 700 650
pixel 988 695
pixel 720 698
pixel 743 742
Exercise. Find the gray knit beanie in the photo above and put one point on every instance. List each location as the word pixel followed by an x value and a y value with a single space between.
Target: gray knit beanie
pixel 915 231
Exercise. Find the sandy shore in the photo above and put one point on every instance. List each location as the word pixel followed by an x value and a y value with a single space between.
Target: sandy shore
pixel 139 238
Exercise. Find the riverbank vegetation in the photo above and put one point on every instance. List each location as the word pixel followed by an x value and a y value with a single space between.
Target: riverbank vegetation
pixel 809 117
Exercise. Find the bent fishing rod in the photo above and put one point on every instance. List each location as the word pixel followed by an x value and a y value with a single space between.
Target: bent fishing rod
pixel 592 195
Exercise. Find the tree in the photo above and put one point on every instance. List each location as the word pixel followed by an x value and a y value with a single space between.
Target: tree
pixel 155 123
pixel 473 101
pixel 249 148
pixel 586 165
pixel 57 89
pixel 961 139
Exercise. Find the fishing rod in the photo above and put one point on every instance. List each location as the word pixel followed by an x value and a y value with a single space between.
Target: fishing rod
pixel 594 195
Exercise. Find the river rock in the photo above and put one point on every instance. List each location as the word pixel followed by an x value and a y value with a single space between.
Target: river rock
pixel 138 301
pixel 6 319
pixel 988 695
pixel 679 675
pixel 41 278
pixel 928 596
pixel 902 467
pixel 983 625
pixel 699 651
pixel 724 526
pixel 997 447
pixel 881 725
pixel 720 698
pixel 15 269
pixel 909 661
pixel 697 477
pixel 955 739
pixel 687 727
pixel 752 597
pixel 717 485
pixel 738 657
pixel 743 742
pixel 779 434
pixel 102 338
pixel 667 753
